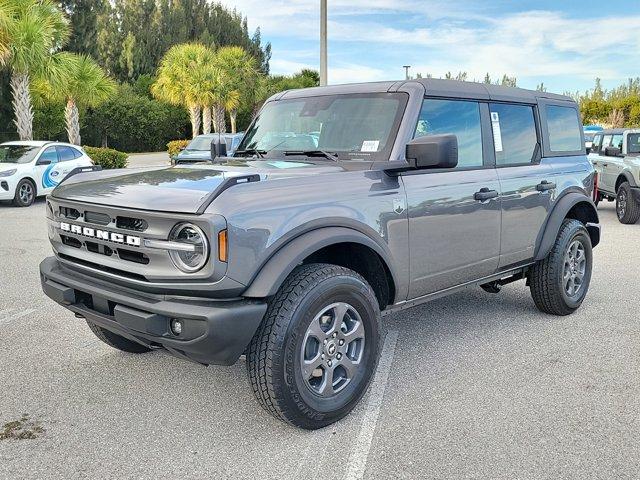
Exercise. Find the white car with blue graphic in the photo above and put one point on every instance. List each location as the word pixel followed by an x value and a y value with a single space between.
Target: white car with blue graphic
pixel 31 169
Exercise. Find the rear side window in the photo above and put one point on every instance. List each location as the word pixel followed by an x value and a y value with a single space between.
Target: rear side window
pixel 66 153
pixel 595 146
pixel 616 142
pixel 457 117
pixel 514 133
pixel 633 143
pixel 564 129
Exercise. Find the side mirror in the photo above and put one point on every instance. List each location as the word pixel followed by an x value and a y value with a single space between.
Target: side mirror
pixel 433 151
pixel 612 152
pixel 43 161
pixel 218 147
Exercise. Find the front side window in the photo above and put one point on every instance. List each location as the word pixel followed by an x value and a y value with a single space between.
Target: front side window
pixel 353 126
pixel 49 154
pixel 457 117
pixel 595 146
pixel 514 133
pixel 633 143
pixel 606 142
pixel 616 142
pixel 564 129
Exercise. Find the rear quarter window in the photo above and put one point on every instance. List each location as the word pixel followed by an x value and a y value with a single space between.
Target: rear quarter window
pixel 564 129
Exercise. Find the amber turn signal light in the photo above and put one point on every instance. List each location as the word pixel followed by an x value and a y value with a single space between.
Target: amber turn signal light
pixel 222 246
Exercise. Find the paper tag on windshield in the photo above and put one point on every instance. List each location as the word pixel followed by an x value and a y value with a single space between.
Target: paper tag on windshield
pixel 497 134
pixel 370 146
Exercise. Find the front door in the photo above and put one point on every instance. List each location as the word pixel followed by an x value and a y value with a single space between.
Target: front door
pixel 454 214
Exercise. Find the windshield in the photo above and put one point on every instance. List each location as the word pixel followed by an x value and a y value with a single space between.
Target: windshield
pixel 200 143
pixel 17 153
pixel 358 126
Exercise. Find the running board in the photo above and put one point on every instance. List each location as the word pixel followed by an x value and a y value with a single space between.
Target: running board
pixel 504 277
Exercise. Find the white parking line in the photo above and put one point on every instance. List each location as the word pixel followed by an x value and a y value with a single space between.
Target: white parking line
pixel 362 445
pixel 16 316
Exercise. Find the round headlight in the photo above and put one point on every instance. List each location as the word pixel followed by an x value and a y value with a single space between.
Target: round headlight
pixel 196 252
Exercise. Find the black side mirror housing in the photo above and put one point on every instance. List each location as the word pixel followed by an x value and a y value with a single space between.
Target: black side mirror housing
pixel 43 162
pixel 612 152
pixel 433 151
pixel 218 147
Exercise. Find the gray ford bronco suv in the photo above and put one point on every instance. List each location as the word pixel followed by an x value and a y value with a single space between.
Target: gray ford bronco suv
pixel 340 205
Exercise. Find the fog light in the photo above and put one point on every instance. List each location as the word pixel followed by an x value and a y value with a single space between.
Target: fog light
pixel 176 326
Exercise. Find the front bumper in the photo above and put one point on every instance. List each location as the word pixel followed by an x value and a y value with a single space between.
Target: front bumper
pixel 214 332
pixel 7 188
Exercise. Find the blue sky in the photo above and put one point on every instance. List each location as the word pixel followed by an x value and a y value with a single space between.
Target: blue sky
pixel 565 44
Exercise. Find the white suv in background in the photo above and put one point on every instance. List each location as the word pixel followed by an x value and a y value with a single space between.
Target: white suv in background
pixel 32 169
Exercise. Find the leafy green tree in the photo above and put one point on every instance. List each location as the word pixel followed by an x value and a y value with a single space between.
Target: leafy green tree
pixel 34 29
pixel 84 15
pixel 238 71
pixel 80 83
pixel 134 123
pixel 181 81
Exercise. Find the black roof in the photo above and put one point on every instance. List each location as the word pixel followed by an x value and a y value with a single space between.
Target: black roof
pixel 434 87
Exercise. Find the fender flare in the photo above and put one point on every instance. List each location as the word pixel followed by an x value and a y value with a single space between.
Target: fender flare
pixel 274 272
pixel 557 216
pixel 628 176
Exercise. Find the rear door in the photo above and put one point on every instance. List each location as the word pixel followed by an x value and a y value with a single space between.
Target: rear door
pixel 454 236
pixel 526 183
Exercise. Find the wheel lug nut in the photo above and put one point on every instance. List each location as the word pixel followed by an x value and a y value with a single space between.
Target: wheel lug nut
pixel 341 342
pixel 339 356
pixel 325 341
pixel 322 356
pixel 329 363
pixel 335 334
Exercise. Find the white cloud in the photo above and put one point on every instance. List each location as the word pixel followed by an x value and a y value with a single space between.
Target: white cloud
pixel 440 36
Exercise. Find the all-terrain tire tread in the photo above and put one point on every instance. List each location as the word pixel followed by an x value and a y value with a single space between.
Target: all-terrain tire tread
pixel 269 338
pixel 632 213
pixel 542 279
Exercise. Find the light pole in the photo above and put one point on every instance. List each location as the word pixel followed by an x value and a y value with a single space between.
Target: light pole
pixel 323 42
pixel 406 71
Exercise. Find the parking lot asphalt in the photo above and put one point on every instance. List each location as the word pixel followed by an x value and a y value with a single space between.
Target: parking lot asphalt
pixel 470 386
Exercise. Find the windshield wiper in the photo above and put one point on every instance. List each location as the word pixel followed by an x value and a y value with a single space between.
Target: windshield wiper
pixel 251 151
pixel 313 153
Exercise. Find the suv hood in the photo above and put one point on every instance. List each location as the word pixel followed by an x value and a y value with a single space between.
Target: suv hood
pixel 180 189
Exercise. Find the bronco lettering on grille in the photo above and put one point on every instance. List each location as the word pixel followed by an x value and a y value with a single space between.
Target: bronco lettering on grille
pixel 101 234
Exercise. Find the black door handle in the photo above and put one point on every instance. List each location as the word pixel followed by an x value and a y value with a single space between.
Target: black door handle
pixel 605 164
pixel 485 194
pixel 543 186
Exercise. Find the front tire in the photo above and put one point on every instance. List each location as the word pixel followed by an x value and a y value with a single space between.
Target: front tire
pixel 313 357
pixel 560 281
pixel 25 193
pixel 627 209
pixel 116 341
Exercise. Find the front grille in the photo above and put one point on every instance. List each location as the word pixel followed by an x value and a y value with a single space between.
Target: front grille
pixel 129 223
pixel 71 242
pixel 97 218
pixel 70 213
pixel 102 268
pixel 130 256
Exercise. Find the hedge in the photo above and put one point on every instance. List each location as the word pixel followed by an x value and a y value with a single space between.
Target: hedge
pixel 174 146
pixel 107 157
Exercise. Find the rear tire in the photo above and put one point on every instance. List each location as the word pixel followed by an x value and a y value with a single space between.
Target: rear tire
pixel 116 341
pixel 560 281
pixel 313 357
pixel 627 209
pixel 25 193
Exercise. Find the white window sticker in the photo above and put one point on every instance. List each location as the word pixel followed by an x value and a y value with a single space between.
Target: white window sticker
pixel 370 146
pixel 497 135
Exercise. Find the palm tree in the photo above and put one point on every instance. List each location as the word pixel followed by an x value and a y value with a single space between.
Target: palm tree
pixel 80 82
pixel 239 80
pixel 33 30
pixel 180 78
